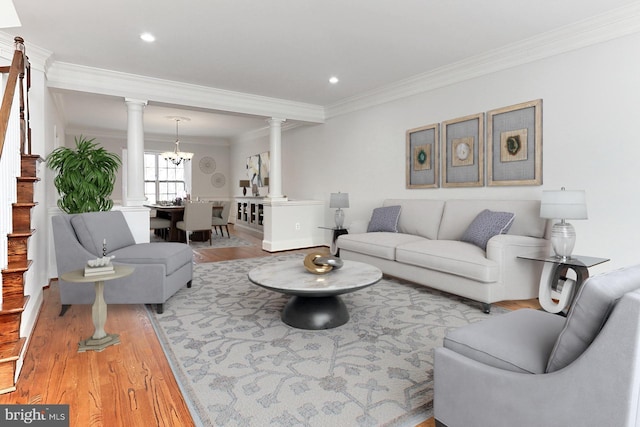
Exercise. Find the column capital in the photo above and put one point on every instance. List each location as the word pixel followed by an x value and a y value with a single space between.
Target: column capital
pixel 133 101
pixel 276 121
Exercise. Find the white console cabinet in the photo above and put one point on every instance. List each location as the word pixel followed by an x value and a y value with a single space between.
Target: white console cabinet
pixel 249 213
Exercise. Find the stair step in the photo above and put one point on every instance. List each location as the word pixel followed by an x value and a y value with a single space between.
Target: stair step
pixel 18 246
pixel 25 189
pixel 9 354
pixel 21 214
pixel 10 317
pixel 13 279
pixel 29 164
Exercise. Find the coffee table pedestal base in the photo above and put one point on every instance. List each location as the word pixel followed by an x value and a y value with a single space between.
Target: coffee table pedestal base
pixel 315 312
pixel 98 344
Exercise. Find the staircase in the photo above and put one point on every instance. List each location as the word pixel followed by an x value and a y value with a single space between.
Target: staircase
pixel 15 215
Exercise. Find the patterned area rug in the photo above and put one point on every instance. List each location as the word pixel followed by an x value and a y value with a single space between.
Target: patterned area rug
pixel 217 241
pixel 239 365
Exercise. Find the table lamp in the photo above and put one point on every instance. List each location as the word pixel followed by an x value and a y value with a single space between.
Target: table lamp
pixel 244 183
pixel 339 201
pixel 563 205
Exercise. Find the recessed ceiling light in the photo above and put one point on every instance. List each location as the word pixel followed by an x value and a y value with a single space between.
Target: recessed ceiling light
pixel 333 80
pixel 148 37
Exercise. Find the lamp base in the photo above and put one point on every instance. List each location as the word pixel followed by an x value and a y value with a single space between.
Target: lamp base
pixel 339 218
pixel 563 239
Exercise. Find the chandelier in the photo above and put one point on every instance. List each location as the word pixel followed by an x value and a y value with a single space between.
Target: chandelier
pixel 176 156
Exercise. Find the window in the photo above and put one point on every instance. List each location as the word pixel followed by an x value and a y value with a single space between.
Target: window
pixel 162 179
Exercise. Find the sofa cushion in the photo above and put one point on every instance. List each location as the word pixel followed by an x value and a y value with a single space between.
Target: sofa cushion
pixel 458 214
pixel 450 256
pixel 172 255
pixel 384 219
pixel 419 216
pixel 93 228
pixel 486 225
pixel 381 245
pixel 591 309
pixel 519 341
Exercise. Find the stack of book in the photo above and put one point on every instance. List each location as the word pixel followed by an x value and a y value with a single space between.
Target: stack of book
pixel 95 271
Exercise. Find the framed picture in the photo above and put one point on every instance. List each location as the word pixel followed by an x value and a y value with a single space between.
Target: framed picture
pixel 258 168
pixel 514 145
pixel 463 152
pixel 422 157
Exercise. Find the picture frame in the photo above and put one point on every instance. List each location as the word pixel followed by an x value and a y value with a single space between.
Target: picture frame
pixel 463 151
pixel 514 144
pixel 422 157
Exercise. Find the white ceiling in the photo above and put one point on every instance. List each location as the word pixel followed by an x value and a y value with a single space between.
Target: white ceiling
pixel 285 49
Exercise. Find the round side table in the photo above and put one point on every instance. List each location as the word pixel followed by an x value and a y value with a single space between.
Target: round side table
pixel 100 339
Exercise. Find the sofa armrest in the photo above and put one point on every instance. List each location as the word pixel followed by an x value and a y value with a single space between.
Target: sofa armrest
pixel 525 274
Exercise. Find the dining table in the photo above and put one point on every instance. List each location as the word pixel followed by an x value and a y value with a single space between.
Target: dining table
pixel 175 213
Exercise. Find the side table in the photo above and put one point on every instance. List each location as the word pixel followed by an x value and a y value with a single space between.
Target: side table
pixel 337 232
pixel 557 291
pixel 100 339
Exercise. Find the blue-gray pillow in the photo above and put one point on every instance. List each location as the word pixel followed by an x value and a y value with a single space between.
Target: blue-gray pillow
pixel 385 219
pixel 486 225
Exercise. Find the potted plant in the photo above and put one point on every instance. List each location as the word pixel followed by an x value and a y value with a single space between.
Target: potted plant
pixel 85 176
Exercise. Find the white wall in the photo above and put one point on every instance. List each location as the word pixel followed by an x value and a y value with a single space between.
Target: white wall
pixel 202 185
pixel 589 142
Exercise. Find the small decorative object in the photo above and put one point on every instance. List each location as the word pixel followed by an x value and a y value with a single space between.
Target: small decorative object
pixel 339 201
pixel 244 183
pixel 422 157
pixel 104 247
pixel 99 266
pixel 514 145
pixel 318 263
pixel 207 165
pixel 563 205
pixel 218 180
pixel 463 152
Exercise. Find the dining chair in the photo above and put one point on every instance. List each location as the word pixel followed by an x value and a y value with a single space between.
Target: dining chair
pixel 223 219
pixel 197 217
pixel 161 225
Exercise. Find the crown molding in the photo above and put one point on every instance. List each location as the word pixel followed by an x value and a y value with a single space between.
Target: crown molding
pixel 62 75
pixel 265 132
pixel 39 58
pixel 150 137
pixel 608 26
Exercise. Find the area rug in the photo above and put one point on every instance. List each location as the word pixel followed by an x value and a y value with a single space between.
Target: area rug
pixel 217 241
pixel 238 364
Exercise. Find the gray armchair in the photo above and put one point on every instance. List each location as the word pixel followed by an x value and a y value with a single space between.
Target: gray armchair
pixel 532 368
pixel 160 268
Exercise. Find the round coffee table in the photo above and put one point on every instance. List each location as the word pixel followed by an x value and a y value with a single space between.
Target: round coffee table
pixel 315 301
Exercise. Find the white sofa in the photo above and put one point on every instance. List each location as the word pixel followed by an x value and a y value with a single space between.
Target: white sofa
pixel 427 248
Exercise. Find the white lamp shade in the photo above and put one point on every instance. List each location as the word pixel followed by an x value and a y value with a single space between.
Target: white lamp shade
pixel 563 204
pixel 339 200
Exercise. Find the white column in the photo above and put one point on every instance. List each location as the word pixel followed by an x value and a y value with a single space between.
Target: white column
pixel 275 165
pixel 135 153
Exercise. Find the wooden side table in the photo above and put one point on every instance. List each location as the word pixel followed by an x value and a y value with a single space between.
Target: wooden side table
pixel 100 339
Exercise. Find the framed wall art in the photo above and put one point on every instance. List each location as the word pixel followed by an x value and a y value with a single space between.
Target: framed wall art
pixel 514 145
pixel 463 152
pixel 422 157
pixel 258 168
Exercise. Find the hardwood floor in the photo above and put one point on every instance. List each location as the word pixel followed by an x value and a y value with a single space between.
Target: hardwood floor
pixel 130 384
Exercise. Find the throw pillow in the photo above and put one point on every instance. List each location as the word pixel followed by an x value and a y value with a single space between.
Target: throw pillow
pixel 486 225
pixel 384 219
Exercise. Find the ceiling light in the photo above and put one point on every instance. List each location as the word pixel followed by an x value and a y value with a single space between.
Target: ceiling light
pixel 148 37
pixel 333 80
pixel 176 156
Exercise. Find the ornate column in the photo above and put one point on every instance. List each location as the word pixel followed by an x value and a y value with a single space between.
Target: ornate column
pixel 275 165
pixel 135 153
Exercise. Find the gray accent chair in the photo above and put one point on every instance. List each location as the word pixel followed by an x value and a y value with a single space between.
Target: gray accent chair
pixel 533 368
pixel 160 268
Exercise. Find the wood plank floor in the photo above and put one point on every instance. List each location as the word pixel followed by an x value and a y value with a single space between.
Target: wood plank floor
pixel 130 384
